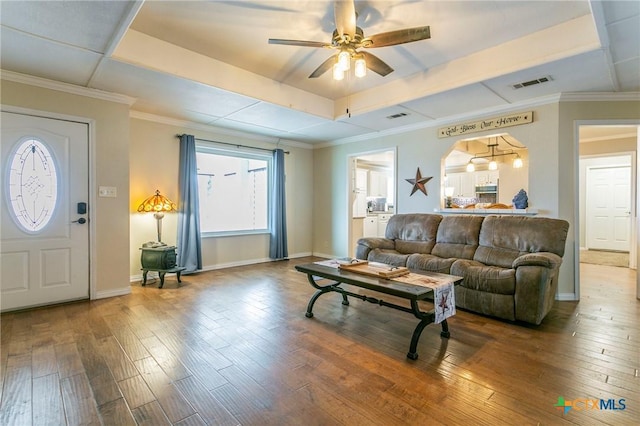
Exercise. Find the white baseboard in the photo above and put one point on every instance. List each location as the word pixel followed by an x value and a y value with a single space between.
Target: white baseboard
pixel 112 293
pixel 328 256
pixel 152 274
pixel 566 297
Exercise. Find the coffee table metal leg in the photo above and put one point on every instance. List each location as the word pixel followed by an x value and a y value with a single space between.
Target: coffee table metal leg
pixel 322 290
pixel 413 348
pixel 445 329
pixel 313 299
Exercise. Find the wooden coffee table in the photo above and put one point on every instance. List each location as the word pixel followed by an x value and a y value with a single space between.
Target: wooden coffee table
pixel 413 293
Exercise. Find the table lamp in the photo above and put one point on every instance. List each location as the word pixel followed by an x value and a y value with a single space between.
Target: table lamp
pixel 448 192
pixel 158 204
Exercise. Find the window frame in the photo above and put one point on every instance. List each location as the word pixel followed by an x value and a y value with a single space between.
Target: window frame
pixel 210 148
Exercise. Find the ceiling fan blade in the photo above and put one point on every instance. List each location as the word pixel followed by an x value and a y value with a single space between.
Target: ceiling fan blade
pixel 392 38
pixel 324 67
pixel 302 43
pixel 345 16
pixel 376 64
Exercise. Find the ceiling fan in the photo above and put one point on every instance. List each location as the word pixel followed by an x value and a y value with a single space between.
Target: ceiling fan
pixel 348 39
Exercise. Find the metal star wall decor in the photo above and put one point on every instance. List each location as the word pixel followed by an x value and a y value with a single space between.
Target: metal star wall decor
pixel 419 183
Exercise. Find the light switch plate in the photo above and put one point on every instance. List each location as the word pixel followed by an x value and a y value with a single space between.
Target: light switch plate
pixel 107 191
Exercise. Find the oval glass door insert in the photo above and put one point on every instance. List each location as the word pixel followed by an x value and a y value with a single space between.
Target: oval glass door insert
pixel 33 185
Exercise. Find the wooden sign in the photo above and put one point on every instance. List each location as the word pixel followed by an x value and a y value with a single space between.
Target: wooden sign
pixel 489 124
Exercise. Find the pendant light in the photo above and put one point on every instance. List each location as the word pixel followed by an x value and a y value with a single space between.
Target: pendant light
pixel 517 162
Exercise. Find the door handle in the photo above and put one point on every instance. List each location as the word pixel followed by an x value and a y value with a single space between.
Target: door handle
pixel 81 221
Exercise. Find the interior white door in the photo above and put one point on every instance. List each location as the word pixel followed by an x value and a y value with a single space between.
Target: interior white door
pixel 608 208
pixel 44 238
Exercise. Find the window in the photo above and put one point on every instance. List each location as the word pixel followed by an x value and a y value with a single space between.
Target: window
pixel 33 185
pixel 233 191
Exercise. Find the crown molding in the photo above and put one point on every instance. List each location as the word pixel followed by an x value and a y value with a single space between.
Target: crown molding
pixel 65 87
pixel 599 96
pixel 217 130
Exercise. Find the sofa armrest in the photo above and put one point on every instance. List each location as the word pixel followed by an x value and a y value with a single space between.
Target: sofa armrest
pixel 544 259
pixel 536 285
pixel 365 245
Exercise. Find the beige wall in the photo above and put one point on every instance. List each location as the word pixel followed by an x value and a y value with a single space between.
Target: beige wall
pixel 552 177
pixel 154 165
pixel 423 149
pixel 110 146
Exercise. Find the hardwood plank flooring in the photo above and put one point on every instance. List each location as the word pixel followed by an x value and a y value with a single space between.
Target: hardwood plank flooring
pixel 233 346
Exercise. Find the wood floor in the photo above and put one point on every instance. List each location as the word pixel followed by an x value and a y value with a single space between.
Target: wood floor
pixel 233 347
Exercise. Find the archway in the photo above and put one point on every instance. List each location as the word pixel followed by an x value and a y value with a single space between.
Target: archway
pixel 489 170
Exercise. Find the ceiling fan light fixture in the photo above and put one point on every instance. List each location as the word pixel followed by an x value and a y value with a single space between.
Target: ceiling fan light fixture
pixel 360 67
pixel 344 60
pixel 338 72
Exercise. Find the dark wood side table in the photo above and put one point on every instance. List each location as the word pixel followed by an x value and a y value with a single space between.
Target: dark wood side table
pixel 161 260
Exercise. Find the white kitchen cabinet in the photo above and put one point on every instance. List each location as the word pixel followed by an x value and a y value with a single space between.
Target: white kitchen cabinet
pixel 463 184
pixel 377 184
pixel 453 181
pixel 370 226
pixel 467 185
pixel 359 208
pixel 383 220
pixel 486 177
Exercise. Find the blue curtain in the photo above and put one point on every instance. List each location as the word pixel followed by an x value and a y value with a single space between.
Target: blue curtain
pixel 189 248
pixel 278 239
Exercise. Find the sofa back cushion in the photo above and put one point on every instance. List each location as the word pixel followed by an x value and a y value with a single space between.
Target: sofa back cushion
pixel 413 232
pixel 504 238
pixel 458 236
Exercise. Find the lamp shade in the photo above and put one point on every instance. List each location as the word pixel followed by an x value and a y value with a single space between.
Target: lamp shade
pixel 157 203
pixel 344 60
pixel 449 190
pixel 361 67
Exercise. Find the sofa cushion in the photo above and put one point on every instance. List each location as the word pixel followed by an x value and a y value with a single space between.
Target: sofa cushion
pixel 504 238
pixel 429 262
pixel 491 279
pixel 496 305
pixel 390 257
pixel 458 236
pixel 413 233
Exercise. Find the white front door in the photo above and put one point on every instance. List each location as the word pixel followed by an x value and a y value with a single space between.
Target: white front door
pixel 609 208
pixel 44 240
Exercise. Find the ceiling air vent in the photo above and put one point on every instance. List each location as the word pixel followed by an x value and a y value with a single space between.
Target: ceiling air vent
pixel 398 115
pixel 532 82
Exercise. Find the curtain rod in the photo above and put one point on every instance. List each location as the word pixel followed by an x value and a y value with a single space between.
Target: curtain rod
pixel 234 144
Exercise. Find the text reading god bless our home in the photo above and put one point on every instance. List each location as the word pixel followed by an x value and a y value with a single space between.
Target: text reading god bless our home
pixel 493 123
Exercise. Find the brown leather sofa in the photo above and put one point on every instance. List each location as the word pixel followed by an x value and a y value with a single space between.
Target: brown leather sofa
pixel 510 264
